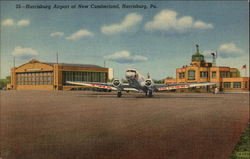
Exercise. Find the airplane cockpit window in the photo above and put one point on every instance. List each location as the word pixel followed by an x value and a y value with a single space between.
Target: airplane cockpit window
pixel 131 71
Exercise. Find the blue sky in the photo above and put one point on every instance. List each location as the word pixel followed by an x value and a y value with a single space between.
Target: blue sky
pixel 155 40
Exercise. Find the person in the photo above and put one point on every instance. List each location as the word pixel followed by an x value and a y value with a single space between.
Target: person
pixel 216 90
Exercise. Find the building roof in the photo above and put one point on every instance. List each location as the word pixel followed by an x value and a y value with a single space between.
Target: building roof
pixel 63 64
pixel 73 65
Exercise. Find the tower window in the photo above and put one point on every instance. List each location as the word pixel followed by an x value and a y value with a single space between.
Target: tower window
pixel 191 75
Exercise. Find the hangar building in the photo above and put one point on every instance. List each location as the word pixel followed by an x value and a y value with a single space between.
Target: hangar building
pixel 36 75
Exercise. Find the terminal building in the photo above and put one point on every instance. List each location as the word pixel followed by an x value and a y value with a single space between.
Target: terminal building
pixel 36 75
pixel 226 78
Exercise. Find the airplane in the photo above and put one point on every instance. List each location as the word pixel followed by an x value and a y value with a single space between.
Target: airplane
pixel 138 83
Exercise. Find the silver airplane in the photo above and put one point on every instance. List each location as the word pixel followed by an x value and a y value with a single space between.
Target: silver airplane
pixel 138 83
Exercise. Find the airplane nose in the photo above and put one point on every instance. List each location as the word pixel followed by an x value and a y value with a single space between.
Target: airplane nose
pixel 130 74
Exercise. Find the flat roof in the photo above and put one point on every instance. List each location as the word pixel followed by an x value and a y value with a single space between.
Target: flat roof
pixel 73 65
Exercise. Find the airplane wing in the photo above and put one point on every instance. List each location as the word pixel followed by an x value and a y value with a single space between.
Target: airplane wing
pixel 108 86
pixel 163 87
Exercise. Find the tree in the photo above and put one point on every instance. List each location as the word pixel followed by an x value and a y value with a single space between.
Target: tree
pixel 4 82
pixel 8 79
pixel 237 73
pixel 124 81
pixel 110 80
pixel 169 77
pixel 158 81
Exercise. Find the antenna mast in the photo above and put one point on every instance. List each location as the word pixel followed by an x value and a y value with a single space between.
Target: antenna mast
pixel 214 57
pixel 14 62
pixel 57 57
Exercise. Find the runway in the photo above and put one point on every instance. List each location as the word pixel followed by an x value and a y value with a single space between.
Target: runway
pixel 97 125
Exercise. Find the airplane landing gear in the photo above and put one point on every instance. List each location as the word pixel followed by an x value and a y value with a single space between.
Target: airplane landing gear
pixel 119 94
pixel 149 93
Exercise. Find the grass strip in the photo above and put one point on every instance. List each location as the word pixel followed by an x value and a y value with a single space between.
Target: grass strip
pixel 242 149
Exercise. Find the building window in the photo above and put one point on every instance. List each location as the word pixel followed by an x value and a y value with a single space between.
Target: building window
pixel 35 78
pixel 181 75
pixel 103 77
pixel 224 74
pixel 204 74
pixel 246 84
pixel 89 77
pixel 191 75
pixel 227 84
pixel 214 74
pixel 82 76
pixel 237 84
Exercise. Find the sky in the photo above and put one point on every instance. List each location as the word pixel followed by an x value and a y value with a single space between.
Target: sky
pixel 153 37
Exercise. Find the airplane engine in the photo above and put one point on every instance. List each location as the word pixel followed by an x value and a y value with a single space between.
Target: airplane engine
pixel 148 83
pixel 116 83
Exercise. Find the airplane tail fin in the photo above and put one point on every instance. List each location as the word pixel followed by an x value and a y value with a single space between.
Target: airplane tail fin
pixel 148 75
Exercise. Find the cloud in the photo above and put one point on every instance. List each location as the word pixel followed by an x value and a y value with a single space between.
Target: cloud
pixel 167 20
pixel 8 22
pixel 79 34
pixel 128 22
pixel 201 25
pixel 229 50
pixel 24 53
pixel 125 57
pixel 207 53
pixel 23 22
pixel 57 34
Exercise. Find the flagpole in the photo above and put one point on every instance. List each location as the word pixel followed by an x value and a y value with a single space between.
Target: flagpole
pixel 246 72
pixel 244 67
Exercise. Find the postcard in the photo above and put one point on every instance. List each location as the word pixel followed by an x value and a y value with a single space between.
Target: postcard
pixel 124 79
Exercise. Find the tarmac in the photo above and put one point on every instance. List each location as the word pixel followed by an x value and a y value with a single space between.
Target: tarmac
pixel 98 125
